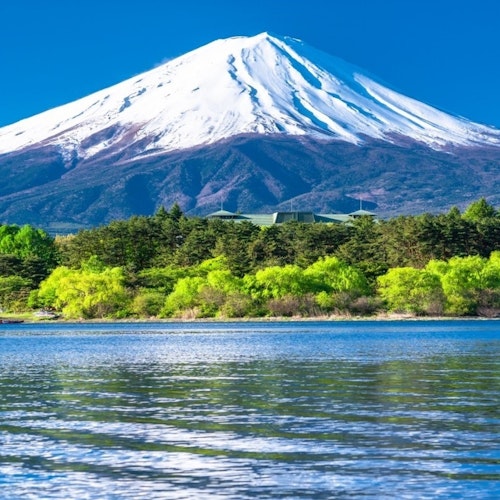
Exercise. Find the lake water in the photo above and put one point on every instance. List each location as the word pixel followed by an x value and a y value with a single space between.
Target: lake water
pixel 250 410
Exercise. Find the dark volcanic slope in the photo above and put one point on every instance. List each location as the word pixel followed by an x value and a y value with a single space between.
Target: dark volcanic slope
pixel 248 173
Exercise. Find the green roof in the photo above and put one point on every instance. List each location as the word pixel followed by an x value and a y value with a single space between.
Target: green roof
pixel 222 214
pixel 282 217
pixel 259 219
pixel 360 212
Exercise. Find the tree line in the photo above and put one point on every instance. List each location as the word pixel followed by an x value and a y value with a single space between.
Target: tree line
pixel 169 265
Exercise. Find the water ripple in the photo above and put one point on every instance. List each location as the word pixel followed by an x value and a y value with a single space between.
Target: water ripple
pixel 275 411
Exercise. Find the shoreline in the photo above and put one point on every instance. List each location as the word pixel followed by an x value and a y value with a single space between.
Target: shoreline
pixel 20 319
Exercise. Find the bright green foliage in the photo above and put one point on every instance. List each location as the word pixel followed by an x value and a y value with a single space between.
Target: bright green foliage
pixel 439 267
pixel 329 274
pixel 206 295
pixel 185 296
pixel 490 274
pixel 26 252
pixel 479 210
pixel 462 279
pixel 458 287
pixel 276 282
pixel 148 303
pixel 221 287
pixel 406 289
pixel 338 284
pixel 25 241
pixel 224 281
pixel 85 293
pixel 243 269
pixel 488 303
pixel 278 290
pixel 325 301
pixel 215 264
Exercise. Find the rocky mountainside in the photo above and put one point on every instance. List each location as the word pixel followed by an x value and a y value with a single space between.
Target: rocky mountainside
pixel 255 123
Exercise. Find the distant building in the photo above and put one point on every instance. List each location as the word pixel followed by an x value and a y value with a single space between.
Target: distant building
pixel 282 217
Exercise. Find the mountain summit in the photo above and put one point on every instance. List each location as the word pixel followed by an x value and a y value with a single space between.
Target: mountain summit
pixel 265 84
pixel 254 122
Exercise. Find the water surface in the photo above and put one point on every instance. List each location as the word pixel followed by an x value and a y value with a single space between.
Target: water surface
pixel 250 410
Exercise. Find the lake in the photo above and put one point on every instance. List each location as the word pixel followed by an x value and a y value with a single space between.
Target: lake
pixel 318 410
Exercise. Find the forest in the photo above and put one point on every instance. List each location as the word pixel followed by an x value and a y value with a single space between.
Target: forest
pixel 169 265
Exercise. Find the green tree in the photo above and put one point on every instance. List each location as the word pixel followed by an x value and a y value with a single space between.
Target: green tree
pixel 407 289
pixel 204 293
pixel 462 279
pixel 490 274
pixel 479 210
pixel 198 242
pixel 222 293
pixel 27 242
pixel 10 265
pixel 365 248
pixel 148 303
pixel 487 237
pixel 161 279
pixel 219 263
pixel 329 274
pixel 233 240
pixel 271 248
pixel 224 280
pixel 277 282
pixel 91 292
pixel 312 241
pixel 176 212
pixel 410 241
pixel 170 239
pixel 489 296
pixel 14 293
pixel 184 297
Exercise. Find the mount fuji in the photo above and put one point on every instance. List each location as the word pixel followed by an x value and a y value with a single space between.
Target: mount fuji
pixel 255 123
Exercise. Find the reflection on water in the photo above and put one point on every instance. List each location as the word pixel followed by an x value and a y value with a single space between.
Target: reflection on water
pixel 285 410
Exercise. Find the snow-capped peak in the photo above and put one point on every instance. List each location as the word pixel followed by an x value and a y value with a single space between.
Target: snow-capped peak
pixel 265 84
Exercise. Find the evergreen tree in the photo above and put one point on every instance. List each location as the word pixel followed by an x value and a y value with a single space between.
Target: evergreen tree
pixel 479 210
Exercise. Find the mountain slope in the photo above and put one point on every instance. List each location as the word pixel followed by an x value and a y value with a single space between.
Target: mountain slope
pixel 252 174
pixel 254 122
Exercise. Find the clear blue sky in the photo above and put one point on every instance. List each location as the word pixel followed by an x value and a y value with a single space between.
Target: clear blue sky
pixel 443 52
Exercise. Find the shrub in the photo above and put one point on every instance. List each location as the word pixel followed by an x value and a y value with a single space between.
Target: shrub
pixel 148 303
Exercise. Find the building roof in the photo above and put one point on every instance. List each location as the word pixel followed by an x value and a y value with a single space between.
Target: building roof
pixel 360 212
pixel 269 219
pixel 222 214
